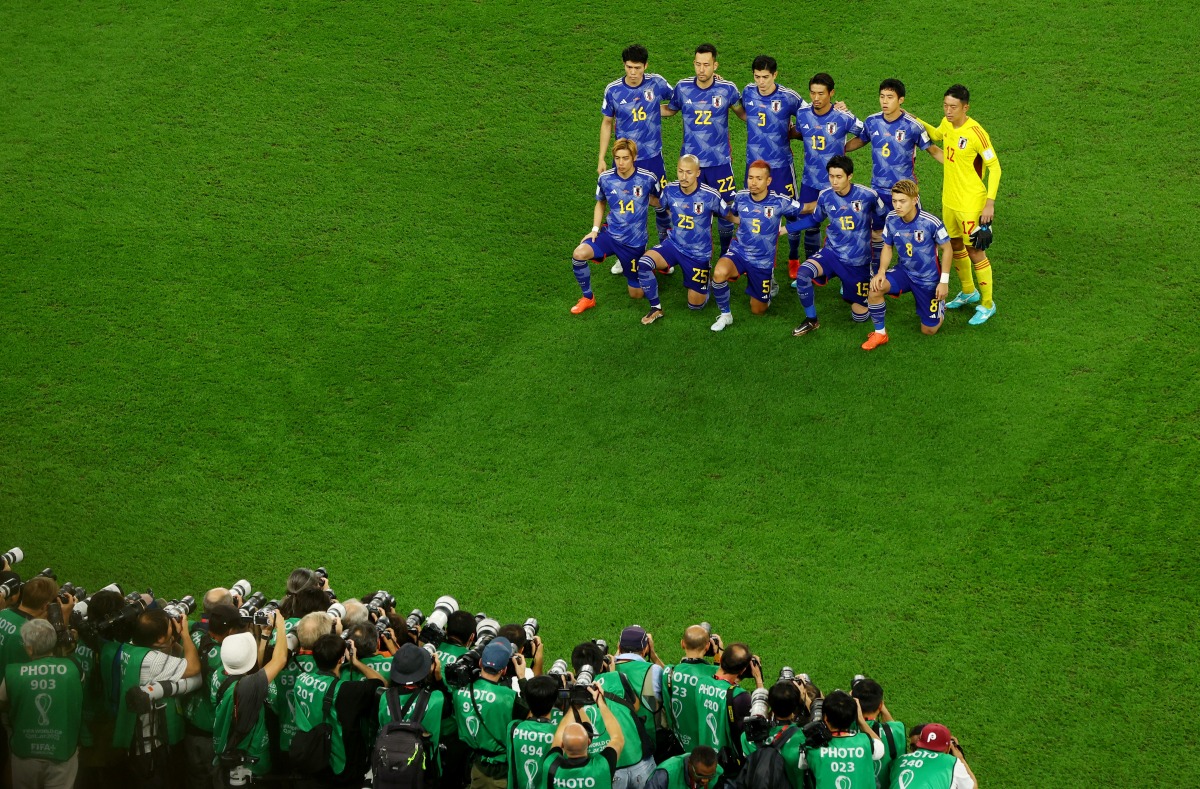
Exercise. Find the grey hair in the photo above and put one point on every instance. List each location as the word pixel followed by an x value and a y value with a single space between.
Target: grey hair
pixel 39 637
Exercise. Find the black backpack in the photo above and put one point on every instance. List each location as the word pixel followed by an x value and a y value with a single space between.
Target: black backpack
pixel 765 769
pixel 310 750
pixel 399 759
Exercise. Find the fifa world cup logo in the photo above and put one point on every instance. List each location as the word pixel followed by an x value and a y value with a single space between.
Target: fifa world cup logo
pixel 43 701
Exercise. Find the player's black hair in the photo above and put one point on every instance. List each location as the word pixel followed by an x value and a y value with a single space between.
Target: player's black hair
pixel 843 163
pixel 635 53
pixel 784 699
pixel 822 79
pixel 840 710
pixel 541 693
pixel 709 48
pixel 894 85
pixel 764 63
pixel 869 694
pixel 959 92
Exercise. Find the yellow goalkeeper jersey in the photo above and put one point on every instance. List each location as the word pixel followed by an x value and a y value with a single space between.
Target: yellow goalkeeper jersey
pixel 968 151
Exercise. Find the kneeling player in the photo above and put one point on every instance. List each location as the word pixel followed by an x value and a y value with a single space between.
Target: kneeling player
pixel 757 213
pixel 691 205
pixel 917 237
pixel 846 255
pixel 627 193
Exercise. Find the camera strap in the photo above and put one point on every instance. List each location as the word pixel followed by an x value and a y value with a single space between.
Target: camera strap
pixel 483 723
pixel 887 733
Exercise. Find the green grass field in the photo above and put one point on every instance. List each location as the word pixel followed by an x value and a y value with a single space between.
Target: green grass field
pixel 287 283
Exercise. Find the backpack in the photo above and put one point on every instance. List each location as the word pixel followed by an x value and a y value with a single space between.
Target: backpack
pixel 310 750
pixel 765 769
pixel 399 759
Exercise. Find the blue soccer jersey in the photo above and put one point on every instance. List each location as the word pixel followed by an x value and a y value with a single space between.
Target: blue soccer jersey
pixel 849 231
pixel 824 138
pixel 706 118
pixel 691 218
pixel 628 201
pixel 916 244
pixel 637 112
pixel 758 230
pixel 893 147
pixel 767 119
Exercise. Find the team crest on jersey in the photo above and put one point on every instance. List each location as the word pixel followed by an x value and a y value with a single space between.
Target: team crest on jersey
pixel 637 191
pixel 857 206
pixel 768 212
pixel 919 236
pixel 697 208
pixel 648 94
pixel 900 135
pixel 962 143
pixel 776 105
pixel 716 102
pixel 831 129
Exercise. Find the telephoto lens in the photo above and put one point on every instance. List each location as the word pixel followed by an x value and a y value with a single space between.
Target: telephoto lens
pixel 434 631
pixel 486 628
pixel 380 602
pixel 264 616
pixel 240 589
pixel 580 691
pixel 13 556
pixel 11 586
pixel 337 611
pixel 531 628
pixel 430 648
pixel 756 725
pixel 48 573
pixel 465 670
pixel 71 590
pixel 786 674
pixel 559 669
pixel 182 608
pixel 480 617
pixel 415 620
pixel 381 625
pixel 707 627
pixel 251 605
pixel 600 642
pixel 323 575
pixel 857 679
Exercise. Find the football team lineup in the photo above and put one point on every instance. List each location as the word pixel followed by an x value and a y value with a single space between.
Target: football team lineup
pixel 878 240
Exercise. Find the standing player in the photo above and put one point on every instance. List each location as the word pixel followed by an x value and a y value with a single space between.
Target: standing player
pixel 626 192
pixel 894 137
pixel 917 238
pixel 692 206
pixel 823 127
pixel 967 206
pixel 705 102
pixel 768 109
pixel 758 213
pixel 850 209
pixel 633 104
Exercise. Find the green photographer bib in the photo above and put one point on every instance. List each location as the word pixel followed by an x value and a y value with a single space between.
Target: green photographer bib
pixel 697 705
pixel 284 704
pixel 638 674
pixel 131 658
pixel 309 694
pixel 528 743
pixel 484 720
pixel 198 707
pixel 845 763
pixel 256 744
pixel 46 698
pixel 594 774
pixel 12 649
pixel 631 754
pixel 676 770
pixel 923 769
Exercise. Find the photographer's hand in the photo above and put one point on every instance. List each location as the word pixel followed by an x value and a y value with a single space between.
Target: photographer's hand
pixel 756 670
pixel 884 715
pixel 538 656
pixel 437 669
pixel 616 736
pixel 518 662
pixel 863 725
pixel 654 658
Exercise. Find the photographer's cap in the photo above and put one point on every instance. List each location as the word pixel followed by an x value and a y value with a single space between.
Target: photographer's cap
pixel 497 654
pixel 634 639
pixel 411 664
pixel 238 653
pixel 935 737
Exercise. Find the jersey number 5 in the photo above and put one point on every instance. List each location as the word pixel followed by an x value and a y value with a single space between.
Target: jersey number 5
pixel 756 225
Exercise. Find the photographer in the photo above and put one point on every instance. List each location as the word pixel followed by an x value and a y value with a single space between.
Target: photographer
pixel 350 702
pixel 636 761
pixel 937 763
pixel 638 662
pixel 529 740
pixel 414 672
pixel 699 769
pixel 460 636
pixel 33 602
pixel 870 697
pixel 484 708
pixel 851 753
pixel 239 694
pixel 737 663
pixel 570 763
pixel 45 701
pixel 532 649
pixel 681 680
pixel 366 644
pixel 199 710
pixel 785 700
pixel 151 737
pixel 711 709
pixel 307 630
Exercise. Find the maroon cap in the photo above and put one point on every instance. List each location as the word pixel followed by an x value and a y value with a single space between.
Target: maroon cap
pixel 935 737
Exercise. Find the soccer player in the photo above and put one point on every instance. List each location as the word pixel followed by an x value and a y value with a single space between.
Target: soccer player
pixel 768 109
pixel 633 105
pixel 917 237
pixel 823 128
pixel 626 192
pixel 966 203
pixel 894 137
pixel 692 206
pixel 850 209
pixel 705 102
pixel 758 212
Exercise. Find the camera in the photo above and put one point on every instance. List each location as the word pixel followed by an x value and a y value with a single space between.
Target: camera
pixel 323 575
pixel 787 674
pixel 265 616
pixel 13 556
pixel 465 670
pixel 581 688
pixel 531 628
pixel 54 615
pixel 68 590
pixel 240 589
pixel 431 649
pixel 816 731
pixel 434 631
pixel 79 612
pixel 380 604
pixel 559 669
pixel 337 611
pixel 11 586
pixel 415 620
pixel 757 725
pixel 381 625
pixel 714 642
pixel 601 644
pixel 251 604
pixel 134 605
pixel 180 609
